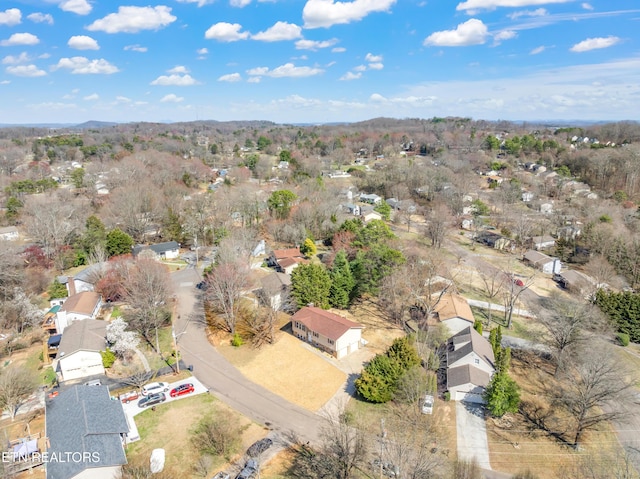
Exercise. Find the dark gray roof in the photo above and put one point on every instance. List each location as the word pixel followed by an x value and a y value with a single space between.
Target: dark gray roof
pixel 85 335
pixel 84 419
pixel 157 248
pixel 91 274
pixel 275 282
pixel 470 342
pixel 466 374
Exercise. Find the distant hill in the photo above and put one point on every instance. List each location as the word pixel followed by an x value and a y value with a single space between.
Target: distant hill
pixel 93 124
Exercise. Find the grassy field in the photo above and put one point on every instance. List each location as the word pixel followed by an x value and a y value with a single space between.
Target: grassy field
pixel 169 427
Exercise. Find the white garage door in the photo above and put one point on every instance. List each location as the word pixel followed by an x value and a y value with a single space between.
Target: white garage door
pixel 469 397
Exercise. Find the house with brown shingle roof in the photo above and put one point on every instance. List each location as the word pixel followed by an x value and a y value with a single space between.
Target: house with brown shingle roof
pixel 85 305
pixel 286 260
pixel 470 365
pixel 454 312
pixel 327 331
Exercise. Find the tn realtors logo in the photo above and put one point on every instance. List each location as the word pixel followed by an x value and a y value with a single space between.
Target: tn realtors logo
pixel 55 456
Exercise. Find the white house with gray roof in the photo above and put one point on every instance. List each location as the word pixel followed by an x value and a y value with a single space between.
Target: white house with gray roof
pixel 79 350
pixel 470 365
pixel 85 431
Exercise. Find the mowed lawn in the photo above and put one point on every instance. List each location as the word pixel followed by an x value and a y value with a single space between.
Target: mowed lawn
pixel 170 426
pixel 289 369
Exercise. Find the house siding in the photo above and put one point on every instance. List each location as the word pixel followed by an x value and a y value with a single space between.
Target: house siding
pixel 471 360
pixel 81 364
pixel 347 343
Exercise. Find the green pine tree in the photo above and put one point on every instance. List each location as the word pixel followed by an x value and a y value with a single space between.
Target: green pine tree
pixel 310 283
pixel 342 282
pixel 502 395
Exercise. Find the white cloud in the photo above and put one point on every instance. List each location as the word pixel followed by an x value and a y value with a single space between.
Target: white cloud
pixel 41 18
pixel 83 42
pixel 26 71
pixel 538 12
pixel 537 50
pixel 50 105
pixel 123 99
pixel 476 5
pixel 15 60
pixel 10 17
pixel 595 43
pixel 471 32
pixel 286 70
pixel 325 13
pixel 254 80
pixel 134 20
pixel 376 66
pixel 231 78
pixel 44 56
pixel 92 97
pixel 4 82
pixel 280 31
pixel 239 3
pixel 84 66
pixel 174 80
pixel 20 39
pixel 338 50
pixel 503 35
pixel 171 98
pixel 351 76
pixel 370 57
pixel 202 51
pixel 360 68
pixel 201 3
pixel 136 48
pixel 80 7
pixel 178 69
pixel 587 6
pixel 316 45
pixel 226 32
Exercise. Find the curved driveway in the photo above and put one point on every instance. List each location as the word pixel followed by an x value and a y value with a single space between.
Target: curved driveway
pixel 223 379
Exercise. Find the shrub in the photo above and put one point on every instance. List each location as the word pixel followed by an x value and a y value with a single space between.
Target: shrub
pixel 237 341
pixel 217 435
pixel 447 396
pixel 108 358
pixel 623 339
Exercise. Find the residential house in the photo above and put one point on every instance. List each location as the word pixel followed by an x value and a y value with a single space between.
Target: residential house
pixel 352 209
pixel 569 232
pixel 470 365
pixel 9 233
pixel 494 240
pixel 275 289
pixel 454 312
pixel 84 280
pixel 372 199
pixel 527 196
pixel 85 305
pixel 159 251
pixel 286 260
pixel 327 331
pixel 367 213
pixel 577 282
pixel 546 208
pixel 79 350
pixel 542 262
pixel 84 422
pixel 542 242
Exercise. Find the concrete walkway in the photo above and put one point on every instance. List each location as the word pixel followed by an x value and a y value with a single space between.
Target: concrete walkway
pixel 472 434
pixel 143 359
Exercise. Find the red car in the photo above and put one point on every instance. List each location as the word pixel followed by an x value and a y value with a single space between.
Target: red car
pixel 182 390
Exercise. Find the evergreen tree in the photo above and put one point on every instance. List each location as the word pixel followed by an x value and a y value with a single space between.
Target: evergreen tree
pixel 342 282
pixel 118 242
pixel 310 283
pixel 502 395
pixel 308 248
pixel 95 234
pixel 57 290
pixel 495 338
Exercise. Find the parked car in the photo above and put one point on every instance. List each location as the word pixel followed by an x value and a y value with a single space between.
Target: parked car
pixel 152 399
pixel 259 447
pixel 154 388
pixel 182 390
pixel 129 396
pixel 249 471
pixel 93 382
pixel 427 404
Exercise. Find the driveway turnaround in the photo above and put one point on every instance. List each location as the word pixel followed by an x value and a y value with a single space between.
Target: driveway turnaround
pixel 223 379
pixel 472 433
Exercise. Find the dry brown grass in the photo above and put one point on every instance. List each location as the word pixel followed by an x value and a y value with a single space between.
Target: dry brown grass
pixel 517 443
pixel 23 425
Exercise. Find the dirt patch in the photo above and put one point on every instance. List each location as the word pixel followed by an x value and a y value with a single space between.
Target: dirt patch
pixel 23 426
pixel 288 368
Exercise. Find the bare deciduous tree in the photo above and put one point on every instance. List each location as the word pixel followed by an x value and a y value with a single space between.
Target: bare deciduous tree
pixel 493 282
pixel 17 383
pixel 596 389
pixel 147 290
pixel 225 286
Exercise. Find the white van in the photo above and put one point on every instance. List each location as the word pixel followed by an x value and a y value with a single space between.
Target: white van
pixel 154 388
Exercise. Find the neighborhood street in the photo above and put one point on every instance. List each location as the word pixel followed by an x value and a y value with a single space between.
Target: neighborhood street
pixel 223 379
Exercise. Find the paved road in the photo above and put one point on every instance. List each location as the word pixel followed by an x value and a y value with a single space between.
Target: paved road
pixel 472 434
pixel 223 379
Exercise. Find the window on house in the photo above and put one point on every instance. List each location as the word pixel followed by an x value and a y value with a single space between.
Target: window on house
pixel 330 341
pixel 477 361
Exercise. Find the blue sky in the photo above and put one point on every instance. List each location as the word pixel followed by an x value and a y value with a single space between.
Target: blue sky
pixel 315 61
